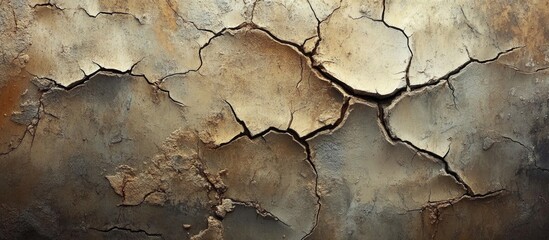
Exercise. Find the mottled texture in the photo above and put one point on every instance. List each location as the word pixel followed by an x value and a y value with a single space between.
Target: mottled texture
pixel 274 119
pixel 367 182
pixel 489 127
pixel 242 68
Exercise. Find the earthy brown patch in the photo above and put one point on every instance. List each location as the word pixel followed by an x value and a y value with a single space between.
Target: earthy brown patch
pixel 10 96
pixel 525 24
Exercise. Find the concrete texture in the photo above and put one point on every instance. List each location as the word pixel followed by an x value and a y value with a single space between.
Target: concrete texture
pixel 274 119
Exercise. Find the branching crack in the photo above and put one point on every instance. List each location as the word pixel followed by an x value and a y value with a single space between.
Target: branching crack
pixel 434 208
pixel 472 60
pixel 218 34
pixel 302 141
pixel 319 22
pixel 530 150
pixel 407 71
pixel 447 169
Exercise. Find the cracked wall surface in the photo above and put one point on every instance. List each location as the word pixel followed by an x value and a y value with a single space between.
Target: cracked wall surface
pixel 274 119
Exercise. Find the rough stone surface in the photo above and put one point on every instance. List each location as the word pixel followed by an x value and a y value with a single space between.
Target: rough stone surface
pixel 363 53
pixel 242 68
pixel 368 182
pixel 274 119
pixel 445 35
pixel 489 127
pixel 278 179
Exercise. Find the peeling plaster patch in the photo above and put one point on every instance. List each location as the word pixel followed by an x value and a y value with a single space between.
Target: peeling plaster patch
pixel 15 16
pixel 364 54
pixel 365 181
pixel 244 68
pixel 213 232
pixel 171 177
pixel 187 172
pixel 489 123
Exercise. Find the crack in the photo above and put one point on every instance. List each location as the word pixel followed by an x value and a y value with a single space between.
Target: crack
pixel 16 27
pixel 531 152
pixel 468 23
pixel 518 142
pixel 471 60
pixel 317 25
pixel 111 14
pixel 300 74
pixel 407 70
pixel 87 76
pixel 301 140
pixel 159 88
pixel 452 201
pixel 31 128
pixel 54 6
pixel 48 4
pixel 127 230
pixel 253 10
pixel 387 131
pixel 488 194
pixel 319 68
pixel 317 191
pixel 19 142
pixel 383 10
pixel 246 130
pixel 333 126
pixel 216 35
pixel 187 21
pixel 434 208
pixel 540 168
pixel 261 211
pixel 142 200
pixel 541 69
pixel 453 90
pixel 368 96
pixel 102 70
pixel 319 22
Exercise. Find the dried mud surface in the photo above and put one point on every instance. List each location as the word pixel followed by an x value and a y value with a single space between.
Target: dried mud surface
pixel 274 119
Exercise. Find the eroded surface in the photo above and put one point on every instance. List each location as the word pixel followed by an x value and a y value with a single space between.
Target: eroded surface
pixel 444 36
pixel 368 183
pixel 273 119
pixel 489 127
pixel 376 65
pixel 241 69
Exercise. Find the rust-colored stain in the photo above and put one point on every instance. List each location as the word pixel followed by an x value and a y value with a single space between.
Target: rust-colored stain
pixel 10 96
